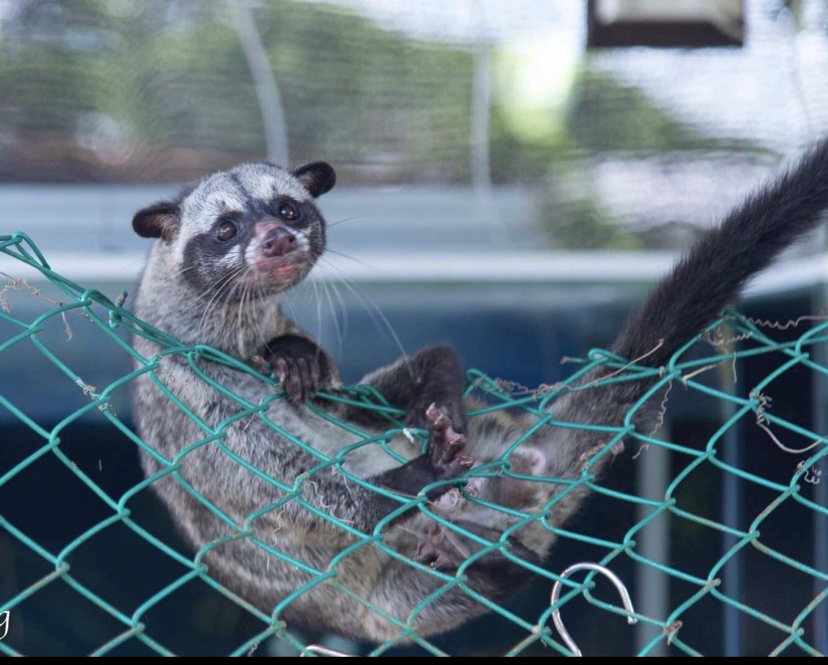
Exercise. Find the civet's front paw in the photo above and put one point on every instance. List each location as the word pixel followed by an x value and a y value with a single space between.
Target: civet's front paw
pixel 302 367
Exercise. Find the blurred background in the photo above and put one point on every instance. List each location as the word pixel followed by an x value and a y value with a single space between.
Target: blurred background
pixel 512 176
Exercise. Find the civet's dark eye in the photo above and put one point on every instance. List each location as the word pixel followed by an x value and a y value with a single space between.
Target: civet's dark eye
pixel 227 230
pixel 288 211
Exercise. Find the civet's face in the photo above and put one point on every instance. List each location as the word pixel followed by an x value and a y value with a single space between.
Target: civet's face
pixel 254 230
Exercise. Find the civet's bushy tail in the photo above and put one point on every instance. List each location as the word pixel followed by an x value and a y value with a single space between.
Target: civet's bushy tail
pixel 682 304
pixel 716 269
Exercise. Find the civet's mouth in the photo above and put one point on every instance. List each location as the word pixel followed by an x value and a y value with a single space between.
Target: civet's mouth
pixel 278 255
pixel 281 268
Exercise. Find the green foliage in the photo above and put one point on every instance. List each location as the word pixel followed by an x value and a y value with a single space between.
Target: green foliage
pixel 174 76
pixel 606 114
pixel 356 92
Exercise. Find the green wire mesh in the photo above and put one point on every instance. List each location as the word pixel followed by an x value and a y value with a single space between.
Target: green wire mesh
pixel 113 320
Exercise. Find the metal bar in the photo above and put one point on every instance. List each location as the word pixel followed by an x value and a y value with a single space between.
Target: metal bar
pixel 732 514
pixel 652 586
pixel 819 417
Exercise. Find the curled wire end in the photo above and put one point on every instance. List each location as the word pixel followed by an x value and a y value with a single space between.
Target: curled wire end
pixel 556 592
pixel 325 651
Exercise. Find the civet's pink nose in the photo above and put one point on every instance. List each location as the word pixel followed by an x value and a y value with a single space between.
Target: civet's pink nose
pixel 278 242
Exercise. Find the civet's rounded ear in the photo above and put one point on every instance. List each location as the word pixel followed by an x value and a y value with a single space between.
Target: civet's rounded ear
pixel 156 221
pixel 317 177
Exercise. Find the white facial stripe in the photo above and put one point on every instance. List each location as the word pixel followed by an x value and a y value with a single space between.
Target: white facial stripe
pixel 250 252
pixel 212 207
pixel 264 183
pixel 221 202
pixel 261 187
pixel 302 241
pixel 232 257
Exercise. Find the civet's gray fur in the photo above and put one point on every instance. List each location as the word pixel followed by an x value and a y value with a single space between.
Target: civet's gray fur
pixel 227 293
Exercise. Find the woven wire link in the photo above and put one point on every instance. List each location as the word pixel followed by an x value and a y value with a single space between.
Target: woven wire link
pixel 110 317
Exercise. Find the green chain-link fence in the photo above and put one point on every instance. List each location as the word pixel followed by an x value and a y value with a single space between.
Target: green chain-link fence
pixel 111 318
